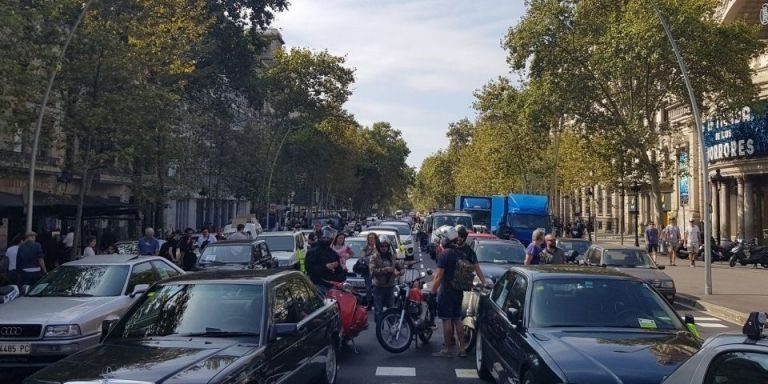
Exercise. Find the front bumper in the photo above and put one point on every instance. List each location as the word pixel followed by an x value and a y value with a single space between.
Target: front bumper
pixel 46 352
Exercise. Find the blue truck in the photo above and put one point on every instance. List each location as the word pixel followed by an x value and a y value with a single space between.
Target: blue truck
pixel 522 213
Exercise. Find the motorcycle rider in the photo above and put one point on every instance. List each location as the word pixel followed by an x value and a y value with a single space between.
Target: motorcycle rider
pixel 384 270
pixel 323 264
pixel 449 299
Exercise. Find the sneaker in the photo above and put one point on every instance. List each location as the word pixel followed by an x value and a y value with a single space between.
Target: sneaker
pixel 443 353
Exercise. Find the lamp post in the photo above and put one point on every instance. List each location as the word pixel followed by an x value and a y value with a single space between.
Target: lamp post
pixel 717 180
pixel 590 196
pixel 634 209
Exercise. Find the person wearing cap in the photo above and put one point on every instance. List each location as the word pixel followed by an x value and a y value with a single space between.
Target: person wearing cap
pixel 692 234
pixel 30 260
pixel 652 239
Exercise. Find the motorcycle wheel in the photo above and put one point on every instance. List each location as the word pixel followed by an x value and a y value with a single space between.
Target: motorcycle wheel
pixel 732 262
pixel 470 338
pixel 387 331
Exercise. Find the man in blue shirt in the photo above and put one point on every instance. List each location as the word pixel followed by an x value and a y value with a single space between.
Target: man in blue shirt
pixel 30 260
pixel 533 252
pixel 148 245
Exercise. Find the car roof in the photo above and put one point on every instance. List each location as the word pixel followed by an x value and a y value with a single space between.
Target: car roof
pixel 234 242
pixel 610 247
pixel 478 236
pixel 486 240
pixel 551 271
pixel 574 240
pixel 116 259
pixel 279 233
pixel 726 339
pixel 356 238
pixel 380 229
pixel 252 275
pixel 394 222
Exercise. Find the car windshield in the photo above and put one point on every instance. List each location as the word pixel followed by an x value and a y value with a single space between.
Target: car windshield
pixel 627 258
pixel 195 310
pixel 82 281
pixel 579 246
pixel 528 221
pixel 403 229
pixel 452 220
pixel 279 243
pixel 357 245
pixel 501 253
pixel 226 254
pixel 600 302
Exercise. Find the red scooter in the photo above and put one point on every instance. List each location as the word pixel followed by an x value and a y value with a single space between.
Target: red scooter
pixel 354 317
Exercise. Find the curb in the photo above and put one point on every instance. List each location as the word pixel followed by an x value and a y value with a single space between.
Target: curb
pixel 728 314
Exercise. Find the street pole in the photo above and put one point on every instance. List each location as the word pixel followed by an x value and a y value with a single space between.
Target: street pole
pixel 704 174
pixel 637 237
pixel 41 115
pixel 272 170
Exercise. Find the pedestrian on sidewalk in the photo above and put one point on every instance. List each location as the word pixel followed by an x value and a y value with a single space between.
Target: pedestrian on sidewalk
pixel 149 245
pixel 652 239
pixel 692 241
pixel 90 250
pixel 671 237
pixel 30 260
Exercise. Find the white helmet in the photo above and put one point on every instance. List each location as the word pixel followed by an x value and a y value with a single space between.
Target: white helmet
pixel 445 234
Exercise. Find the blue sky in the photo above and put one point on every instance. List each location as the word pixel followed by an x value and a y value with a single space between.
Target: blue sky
pixel 417 62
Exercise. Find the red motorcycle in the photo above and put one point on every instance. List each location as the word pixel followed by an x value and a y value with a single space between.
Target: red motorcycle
pixel 354 317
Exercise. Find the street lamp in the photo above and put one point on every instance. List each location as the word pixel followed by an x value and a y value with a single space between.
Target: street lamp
pixel 717 180
pixel 634 209
pixel 590 196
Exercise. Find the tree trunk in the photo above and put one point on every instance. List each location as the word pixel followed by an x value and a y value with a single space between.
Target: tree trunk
pixel 85 185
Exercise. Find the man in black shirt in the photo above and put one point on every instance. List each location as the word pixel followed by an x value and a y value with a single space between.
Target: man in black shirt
pixel 323 264
pixel 30 261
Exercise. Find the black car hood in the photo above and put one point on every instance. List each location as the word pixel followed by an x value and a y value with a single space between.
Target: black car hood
pixel 616 356
pixel 167 361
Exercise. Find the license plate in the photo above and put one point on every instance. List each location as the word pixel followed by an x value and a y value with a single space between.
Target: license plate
pixel 357 284
pixel 14 349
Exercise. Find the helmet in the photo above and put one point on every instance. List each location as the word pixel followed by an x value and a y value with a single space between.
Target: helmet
pixel 462 231
pixel 446 234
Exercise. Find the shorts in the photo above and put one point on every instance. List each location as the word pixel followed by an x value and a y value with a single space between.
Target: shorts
pixel 653 248
pixel 693 248
pixel 449 304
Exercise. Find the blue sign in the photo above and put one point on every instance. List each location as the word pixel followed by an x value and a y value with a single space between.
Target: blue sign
pixel 744 138
pixel 682 188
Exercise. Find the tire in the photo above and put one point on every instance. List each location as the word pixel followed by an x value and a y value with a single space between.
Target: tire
pixel 389 319
pixel 470 338
pixel 331 366
pixel 482 370
pixel 732 262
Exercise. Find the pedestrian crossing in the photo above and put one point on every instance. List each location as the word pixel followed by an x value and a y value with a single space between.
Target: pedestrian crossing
pixel 411 372
pixel 710 322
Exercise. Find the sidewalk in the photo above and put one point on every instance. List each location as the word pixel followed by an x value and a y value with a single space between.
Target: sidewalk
pixel 736 291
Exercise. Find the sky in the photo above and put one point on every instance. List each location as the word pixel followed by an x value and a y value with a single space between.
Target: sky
pixel 417 62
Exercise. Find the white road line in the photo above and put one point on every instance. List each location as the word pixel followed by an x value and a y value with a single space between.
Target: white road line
pixel 711 325
pixel 395 371
pixel 467 374
pixel 706 318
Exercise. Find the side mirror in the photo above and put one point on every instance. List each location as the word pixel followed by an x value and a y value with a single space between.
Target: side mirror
pixel 285 329
pixel 139 289
pixel 513 314
pixel 106 326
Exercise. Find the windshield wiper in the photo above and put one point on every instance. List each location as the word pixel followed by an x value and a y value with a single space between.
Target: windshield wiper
pixel 219 333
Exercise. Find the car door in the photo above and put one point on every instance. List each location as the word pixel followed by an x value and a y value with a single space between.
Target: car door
pixel 747 366
pixel 319 326
pixel 284 353
pixel 164 270
pixel 515 344
pixel 494 326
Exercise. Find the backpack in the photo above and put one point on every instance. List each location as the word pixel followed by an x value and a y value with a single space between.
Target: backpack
pixel 464 274
pixel 361 267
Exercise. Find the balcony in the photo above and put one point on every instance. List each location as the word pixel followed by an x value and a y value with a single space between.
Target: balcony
pixel 748 11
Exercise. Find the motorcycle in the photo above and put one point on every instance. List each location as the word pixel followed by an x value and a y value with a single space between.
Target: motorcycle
pixel 748 253
pixel 718 253
pixel 469 312
pixel 354 317
pixel 400 325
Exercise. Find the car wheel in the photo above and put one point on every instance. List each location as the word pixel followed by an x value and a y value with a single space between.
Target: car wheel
pixel 482 371
pixel 331 365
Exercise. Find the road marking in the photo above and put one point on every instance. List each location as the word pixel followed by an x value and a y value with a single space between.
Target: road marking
pixel 711 325
pixel 395 371
pixel 706 318
pixel 467 374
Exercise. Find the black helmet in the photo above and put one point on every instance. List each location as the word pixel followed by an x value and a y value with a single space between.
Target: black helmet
pixel 462 231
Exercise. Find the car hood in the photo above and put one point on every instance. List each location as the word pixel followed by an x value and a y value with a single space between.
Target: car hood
pixel 50 310
pixel 616 357
pixel 182 360
pixel 406 238
pixel 282 255
pixel 647 274
pixel 493 271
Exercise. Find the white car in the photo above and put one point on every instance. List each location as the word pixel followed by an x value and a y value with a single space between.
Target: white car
pixel 392 237
pixel 65 311
pixel 405 237
pixel 286 246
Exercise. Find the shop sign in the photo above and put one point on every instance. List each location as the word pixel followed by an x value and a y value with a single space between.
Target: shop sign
pixel 741 138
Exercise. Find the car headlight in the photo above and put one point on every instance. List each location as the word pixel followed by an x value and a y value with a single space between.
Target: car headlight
pixel 667 284
pixel 69 330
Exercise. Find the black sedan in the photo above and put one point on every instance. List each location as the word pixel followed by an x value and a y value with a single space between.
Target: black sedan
pixel 237 255
pixel 496 256
pixel 215 327
pixel 571 324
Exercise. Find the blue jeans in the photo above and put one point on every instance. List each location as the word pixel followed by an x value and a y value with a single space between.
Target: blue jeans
pixel 382 297
pixel 368 290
